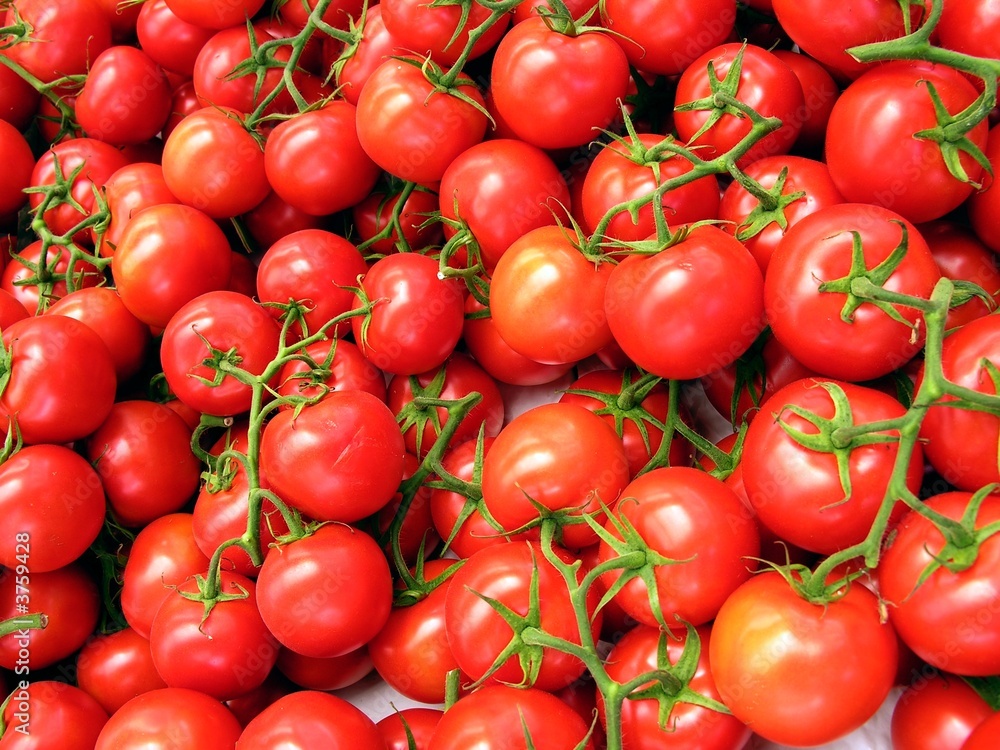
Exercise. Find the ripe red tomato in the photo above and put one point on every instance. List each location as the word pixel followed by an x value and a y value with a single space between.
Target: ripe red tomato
pixel 129 190
pixel 169 40
pixel 21 281
pixel 19 162
pixel 67 36
pixel 376 45
pixel 937 712
pixel 986 735
pixel 116 667
pixel 215 15
pixel 340 366
pixel 51 713
pixel 307 719
pixel 442 31
pixel 962 256
pixel 163 719
pixel 333 673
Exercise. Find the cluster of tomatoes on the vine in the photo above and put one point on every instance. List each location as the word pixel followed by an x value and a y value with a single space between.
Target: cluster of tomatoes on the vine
pixel 346 337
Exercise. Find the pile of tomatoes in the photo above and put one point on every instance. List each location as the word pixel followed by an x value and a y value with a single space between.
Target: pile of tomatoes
pixel 278 279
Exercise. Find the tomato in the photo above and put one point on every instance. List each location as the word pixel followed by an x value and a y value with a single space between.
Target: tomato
pixel 417 723
pixel 948 619
pixel 49 493
pixel 315 267
pixel 219 56
pixel 309 597
pixel 376 45
pixel 416 319
pixel 937 712
pixel 338 460
pixel 273 218
pixel 96 162
pixel 168 255
pixel 742 209
pixel 215 15
pixel 961 256
pixel 561 456
pixel 333 673
pixel 66 37
pixel 19 161
pixel 765 83
pixel 819 92
pixel 688 724
pixel 502 189
pixel 372 214
pixel 116 667
pixel 772 656
pixel 164 554
pixel 169 718
pixel 529 8
pixel 308 719
pixel 183 102
pixel 412 130
pixel 440 31
pixel 18 99
pixel 11 309
pixel 226 322
pixel 226 654
pixel 61 382
pixel 125 99
pixel 339 366
pixel 67 596
pixel 48 713
pixel 212 163
pixel 412 652
pixel 797 491
pixel 815 323
pixel 649 311
pixel 24 282
pixel 968 26
pixel 665 38
pixel 873 148
pixel 580 78
pixel 545 298
pixel 128 191
pixel 508 718
pixel 983 205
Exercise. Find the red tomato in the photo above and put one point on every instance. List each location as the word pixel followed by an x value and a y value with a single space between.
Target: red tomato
pixel 18 99
pixel 442 31
pixel 664 333
pixel 19 162
pixel 50 494
pixel 580 78
pixel 116 667
pixel 61 382
pixel 11 309
pixel 309 597
pixel 775 654
pixel 969 26
pixel 873 149
pixel 937 712
pixel 67 36
pixel 398 728
pixel 339 366
pixel 417 317
pixel 819 92
pixel 949 618
pixel 338 460
pixel 412 130
pixel 316 163
pixel 961 256
pixel 563 457
pixel 376 45
pixel 273 218
pixel 48 713
pixel 222 53
pixel 416 529
pixel 333 673
pixel 25 284
pixel 170 717
pixel 128 191
pixel 215 15
pixel 308 719
pixel 816 323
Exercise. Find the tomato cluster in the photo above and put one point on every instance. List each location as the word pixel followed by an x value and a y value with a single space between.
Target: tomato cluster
pixel 592 375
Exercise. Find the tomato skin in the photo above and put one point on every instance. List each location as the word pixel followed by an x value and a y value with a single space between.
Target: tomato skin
pixel 218 56
pixel 347 370
pixel 984 205
pixel 376 46
pixel 168 255
pixel 62 406
pixel 872 151
pixel 491 719
pixel 819 92
pixel 688 725
pixel 19 162
pixel 938 712
pixel 125 99
pixel 222 320
pixel 170 717
pixel 48 713
pixel 668 336
pixel 308 719
pixel 966 464
pixel 333 673
pixel 772 657
pixel 807 321
pixel 409 129
pixel 215 15
pixel 11 309
pixel 545 298
pixel 67 35
pixel 960 255
pixel 18 98
pixel 129 190
pixel 417 318
pixel 440 31
pixel 421 723
pixel 49 493
pixel 944 619
pixel 116 667
pixel 308 597
pixel 338 460
pixel 18 279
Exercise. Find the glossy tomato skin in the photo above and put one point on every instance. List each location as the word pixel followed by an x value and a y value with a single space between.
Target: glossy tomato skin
pixel 338 460
pixel 417 317
pixel 67 36
pixel 948 619
pixel 308 595
pixel 808 321
pixel 561 456
pixel 688 725
pixel 48 713
pixel 116 667
pixel 162 719
pixel 440 31
pixel 45 393
pixel 377 44
pixel 129 190
pixel 648 305
pixel 962 256
pixel 937 712
pixel 580 78
pixel 48 493
pixel 498 717
pixel 18 99
pixel 872 149
pixel 333 673
pixel 224 321
pixel 966 464
pixel 308 719
pixel 19 279
pixel 215 15
pixel 772 655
